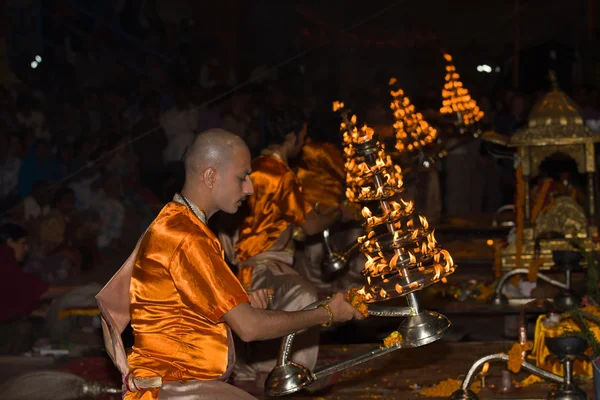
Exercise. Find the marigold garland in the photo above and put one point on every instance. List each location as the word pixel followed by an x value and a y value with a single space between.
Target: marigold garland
pixel 358 301
pixel 448 386
pixel 392 339
pixel 516 356
pixel 530 380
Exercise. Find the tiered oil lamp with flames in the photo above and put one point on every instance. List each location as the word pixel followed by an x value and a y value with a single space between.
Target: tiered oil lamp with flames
pixel 457 100
pixel 413 133
pixel 403 257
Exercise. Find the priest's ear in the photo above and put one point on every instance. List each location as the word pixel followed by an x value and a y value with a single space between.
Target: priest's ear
pixel 209 177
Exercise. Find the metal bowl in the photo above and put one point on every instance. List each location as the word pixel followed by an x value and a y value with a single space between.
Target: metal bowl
pixel 566 346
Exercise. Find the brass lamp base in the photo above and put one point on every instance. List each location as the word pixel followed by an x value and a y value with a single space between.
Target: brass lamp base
pixel 463 394
pixel 423 328
pixel 288 378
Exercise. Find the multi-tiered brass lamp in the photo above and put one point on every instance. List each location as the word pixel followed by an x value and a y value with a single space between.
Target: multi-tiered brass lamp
pixel 403 257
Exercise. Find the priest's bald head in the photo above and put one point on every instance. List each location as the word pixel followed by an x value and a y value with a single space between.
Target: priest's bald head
pixel 217 171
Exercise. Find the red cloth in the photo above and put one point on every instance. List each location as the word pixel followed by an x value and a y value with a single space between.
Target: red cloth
pixel 20 292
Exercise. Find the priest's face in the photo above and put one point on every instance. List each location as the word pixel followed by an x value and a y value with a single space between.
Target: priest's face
pixel 234 184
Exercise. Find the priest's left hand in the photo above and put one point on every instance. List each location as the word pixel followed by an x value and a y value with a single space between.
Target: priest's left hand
pixel 261 298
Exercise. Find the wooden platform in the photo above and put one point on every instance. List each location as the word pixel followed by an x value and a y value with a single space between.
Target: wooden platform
pixel 391 376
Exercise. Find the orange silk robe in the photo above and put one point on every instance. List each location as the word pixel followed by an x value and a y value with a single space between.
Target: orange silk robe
pixel 276 203
pixel 321 173
pixel 180 289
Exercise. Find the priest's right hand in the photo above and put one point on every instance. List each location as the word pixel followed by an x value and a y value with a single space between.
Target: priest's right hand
pixel 342 310
pixel 261 298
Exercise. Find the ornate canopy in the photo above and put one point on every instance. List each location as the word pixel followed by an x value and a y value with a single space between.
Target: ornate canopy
pixel 555 120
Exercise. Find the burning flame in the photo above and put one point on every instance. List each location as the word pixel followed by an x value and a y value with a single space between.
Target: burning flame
pixel 398 288
pixel 485 368
pixel 337 105
pixel 438 272
pixel 424 222
pixel 366 213
pixel 383 293
pixel 394 261
pixel 431 242
pixel 412 258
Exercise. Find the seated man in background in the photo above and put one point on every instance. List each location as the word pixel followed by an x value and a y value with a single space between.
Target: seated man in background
pixel 276 213
pixel 322 176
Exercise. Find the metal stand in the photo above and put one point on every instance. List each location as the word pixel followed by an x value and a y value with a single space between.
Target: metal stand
pixel 567 350
pixel 465 394
pixel 565 300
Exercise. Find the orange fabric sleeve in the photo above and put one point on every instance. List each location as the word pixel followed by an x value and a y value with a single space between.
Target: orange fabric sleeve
pixel 204 280
pixel 291 201
pixel 334 161
pixel 321 173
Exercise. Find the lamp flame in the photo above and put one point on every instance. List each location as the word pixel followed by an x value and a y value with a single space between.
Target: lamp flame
pixel 366 213
pixel 485 368
pixel 398 288
pixel 412 258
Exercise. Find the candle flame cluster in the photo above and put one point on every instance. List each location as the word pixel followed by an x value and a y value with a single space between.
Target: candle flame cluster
pixel 417 252
pixel 358 172
pixel 411 258
pixel 456 98
pixel 412 131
